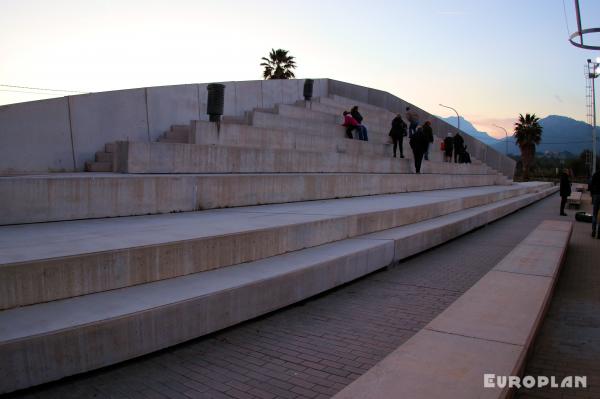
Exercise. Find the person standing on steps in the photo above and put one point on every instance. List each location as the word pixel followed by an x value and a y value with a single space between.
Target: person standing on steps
pixel 565 190
pixel 418 143
pixel 594 188
pixel 362 129
pixel 428 132
pixel 397 133
pixel 459 146
pixel 413 121
pixel 448 147
pixel 350 124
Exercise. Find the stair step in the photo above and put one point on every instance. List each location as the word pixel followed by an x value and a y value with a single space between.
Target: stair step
pixel 81 196
pixel 144 157
pixel 110 147
pixel 106 254
pixel 129 322
pixel 99 166
pixel 104 157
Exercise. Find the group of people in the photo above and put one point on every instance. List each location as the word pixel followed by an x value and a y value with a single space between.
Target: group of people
pixel 353 121
pixel 420 140
pixel 594 189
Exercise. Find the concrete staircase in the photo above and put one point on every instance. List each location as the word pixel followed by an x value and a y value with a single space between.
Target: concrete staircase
pixel 307 210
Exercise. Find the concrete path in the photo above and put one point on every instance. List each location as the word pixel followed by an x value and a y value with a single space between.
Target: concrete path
pixel 315 348
pixel 568 343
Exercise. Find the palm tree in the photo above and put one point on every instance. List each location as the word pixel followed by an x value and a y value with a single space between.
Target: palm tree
pixel 279 65
pixel 528 134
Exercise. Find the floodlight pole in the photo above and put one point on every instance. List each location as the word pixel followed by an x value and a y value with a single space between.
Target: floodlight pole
pixel 593 73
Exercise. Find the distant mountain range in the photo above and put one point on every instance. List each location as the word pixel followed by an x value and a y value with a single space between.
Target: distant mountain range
pixel 560 135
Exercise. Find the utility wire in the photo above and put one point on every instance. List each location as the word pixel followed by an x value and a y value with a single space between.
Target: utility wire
pixel 40 88
pixel 30 92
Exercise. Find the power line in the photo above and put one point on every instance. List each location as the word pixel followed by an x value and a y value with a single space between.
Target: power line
pixel 40 88
pixel 29 92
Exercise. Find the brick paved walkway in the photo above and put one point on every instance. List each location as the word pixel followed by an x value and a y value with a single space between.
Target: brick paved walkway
pixel 568 343
pixel 315 348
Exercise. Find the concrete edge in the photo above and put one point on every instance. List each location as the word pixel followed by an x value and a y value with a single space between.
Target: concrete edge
pixel 395 374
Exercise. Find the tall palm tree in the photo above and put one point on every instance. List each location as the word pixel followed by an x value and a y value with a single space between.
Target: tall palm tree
pixel 279 65
pixel 528 134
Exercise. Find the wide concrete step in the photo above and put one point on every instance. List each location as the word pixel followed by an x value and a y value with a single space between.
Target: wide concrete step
pixel 308 126
pixel 144 157
pixel 49 341
pixel 57 197
pixel 376 118
pixel 49 261
pixel 99 166
pixel 228 134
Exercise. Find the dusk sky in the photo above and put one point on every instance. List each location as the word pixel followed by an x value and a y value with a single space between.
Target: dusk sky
pixel 489 59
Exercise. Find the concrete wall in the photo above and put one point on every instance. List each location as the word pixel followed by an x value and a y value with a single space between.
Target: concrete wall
pixel 61 134
pixel 36 136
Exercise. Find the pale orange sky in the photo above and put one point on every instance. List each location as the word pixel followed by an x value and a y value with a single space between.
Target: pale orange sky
pixel 489 60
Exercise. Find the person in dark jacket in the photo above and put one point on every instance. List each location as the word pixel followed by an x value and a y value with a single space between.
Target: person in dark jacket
pixel 397 133
pixel 418 143
pixel 428 132
pixel 459 146
pixel 594 188
pixel 413 121
pixel 448 147
pixel 565 190
pixel 362 129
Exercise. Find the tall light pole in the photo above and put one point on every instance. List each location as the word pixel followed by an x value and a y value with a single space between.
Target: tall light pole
pixel 506 138
pixel 457 116
pixel 593 73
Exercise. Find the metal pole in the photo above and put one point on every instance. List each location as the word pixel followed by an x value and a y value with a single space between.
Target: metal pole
pixel 594 124
pixel 457 116
pixel 505 138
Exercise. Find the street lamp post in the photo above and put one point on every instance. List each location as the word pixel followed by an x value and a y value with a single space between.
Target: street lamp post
pixel 594 72
pixel 506 138
pixel 457 116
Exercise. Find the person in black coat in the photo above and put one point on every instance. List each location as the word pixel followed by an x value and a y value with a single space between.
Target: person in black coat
pixel 565 190
pixel 459 146
pixel 448 148
pixel 397 133
pixel 418 143
pixel 594 188
pixel 362 129
pixel 428 132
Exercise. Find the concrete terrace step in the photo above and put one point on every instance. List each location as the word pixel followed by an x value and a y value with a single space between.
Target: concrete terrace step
pixel 44 262
pixel 99 166
pixel 487 330
pixel 56 197
pixel 274 121
pixel 100 329
pixel 143 157
pixel 229 134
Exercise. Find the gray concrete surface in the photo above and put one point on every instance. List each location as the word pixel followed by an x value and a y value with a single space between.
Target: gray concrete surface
pixel 57 197
pixel 314 348
pixel 98 118
pixel 42 262
pixel 137 317
pixel 41 143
